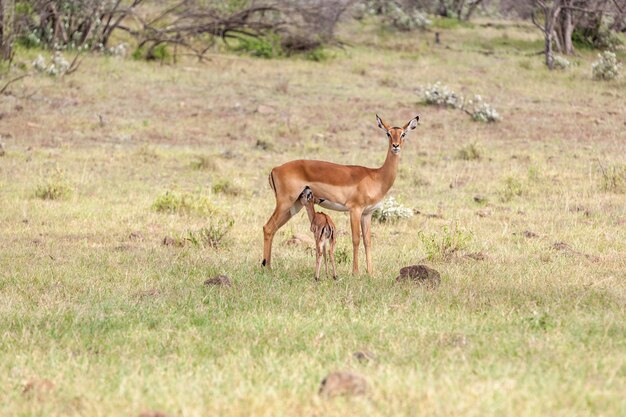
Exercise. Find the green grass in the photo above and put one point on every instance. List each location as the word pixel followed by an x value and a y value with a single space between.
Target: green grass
pixel 93 301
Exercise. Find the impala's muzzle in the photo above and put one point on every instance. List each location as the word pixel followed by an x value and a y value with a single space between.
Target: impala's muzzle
pixel 395 149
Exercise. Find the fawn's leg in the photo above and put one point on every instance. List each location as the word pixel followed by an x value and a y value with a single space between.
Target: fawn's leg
pixel 318 259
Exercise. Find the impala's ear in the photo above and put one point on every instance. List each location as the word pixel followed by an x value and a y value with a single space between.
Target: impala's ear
pixel 382 124
pixel 412 124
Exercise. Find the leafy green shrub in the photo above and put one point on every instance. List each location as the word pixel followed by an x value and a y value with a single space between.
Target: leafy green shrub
pixel 444 244
pixel 211 235
pixel 613 178
pixel 512 187
pixel 391 211
pixel 342 255
pixel 470 152
pixel 184 203
pixel 606 67
pixel 261 47
pixel 54 188
pixel 318 54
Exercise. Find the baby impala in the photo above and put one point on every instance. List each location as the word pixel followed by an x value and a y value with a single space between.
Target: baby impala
pixel 323 229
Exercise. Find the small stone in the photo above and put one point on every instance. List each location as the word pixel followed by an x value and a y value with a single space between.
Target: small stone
pixel 220 280
pixel 343 383
pixel 420 274
pixel 480 199
pixel 136 235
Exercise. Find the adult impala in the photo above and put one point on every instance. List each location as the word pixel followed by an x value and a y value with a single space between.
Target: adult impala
pixel 352 188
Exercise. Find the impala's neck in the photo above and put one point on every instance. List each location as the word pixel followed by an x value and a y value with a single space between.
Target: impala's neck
pixel 388 171
pixel 310 211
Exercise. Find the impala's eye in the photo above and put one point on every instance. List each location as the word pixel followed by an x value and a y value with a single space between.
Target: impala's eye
pixel 403 134
pixel 389 135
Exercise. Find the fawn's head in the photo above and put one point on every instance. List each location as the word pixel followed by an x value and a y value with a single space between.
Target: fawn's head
pixel 396 134
pixel 306 197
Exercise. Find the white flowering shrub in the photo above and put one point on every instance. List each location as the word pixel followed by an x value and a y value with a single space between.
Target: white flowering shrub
pixel 606 67
pixel 391 211
pixel 39 64
pixel 482 111
pixel 561 63
pixel 441 95
pixel 58 66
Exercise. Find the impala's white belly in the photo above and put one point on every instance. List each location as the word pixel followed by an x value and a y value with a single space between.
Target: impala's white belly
pixel 331 205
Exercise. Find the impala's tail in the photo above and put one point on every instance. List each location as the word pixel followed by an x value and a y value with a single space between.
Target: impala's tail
pixel 271 181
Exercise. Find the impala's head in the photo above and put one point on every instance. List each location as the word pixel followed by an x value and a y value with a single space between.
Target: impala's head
pixel 396 135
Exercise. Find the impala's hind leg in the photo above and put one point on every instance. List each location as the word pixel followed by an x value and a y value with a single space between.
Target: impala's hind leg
pixel 282 213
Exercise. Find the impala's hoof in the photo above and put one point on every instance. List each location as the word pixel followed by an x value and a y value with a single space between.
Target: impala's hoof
pixel 335 277
pixel 263 262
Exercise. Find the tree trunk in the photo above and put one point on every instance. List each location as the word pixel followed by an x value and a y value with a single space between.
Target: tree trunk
pixel 6 37
pixel 568 30
pixel 549 54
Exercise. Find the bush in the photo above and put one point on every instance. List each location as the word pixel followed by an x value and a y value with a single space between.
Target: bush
pixel 54 188
pixel 58 65
pixel 440 95
pixel 560 63
pixel 391 211
pixel 606 67
pixel 482 111
pixel 262 47
pixel 444 244
pixel 184 203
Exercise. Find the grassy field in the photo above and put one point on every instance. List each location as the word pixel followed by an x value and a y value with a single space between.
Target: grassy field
pixel 98 317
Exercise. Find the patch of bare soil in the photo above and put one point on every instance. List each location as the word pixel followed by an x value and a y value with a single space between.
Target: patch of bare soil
pixel 343 383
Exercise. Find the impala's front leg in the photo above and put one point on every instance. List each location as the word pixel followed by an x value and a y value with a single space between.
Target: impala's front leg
pixel 355 220
pixel 366 229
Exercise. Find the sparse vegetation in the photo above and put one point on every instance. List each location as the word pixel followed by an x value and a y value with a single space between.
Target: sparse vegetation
pixel 56 187
pixel 175 202
pixel 512 187
pixel 204 163
pixel 226 186
pixel 613 178
pixel 444 243
pixel 470 152
pixel 211 235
